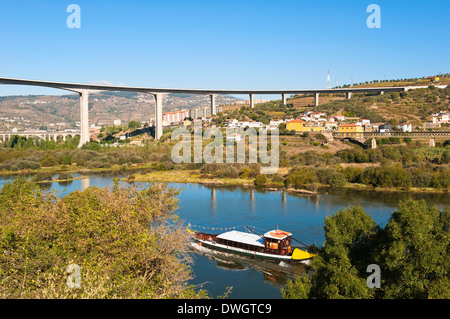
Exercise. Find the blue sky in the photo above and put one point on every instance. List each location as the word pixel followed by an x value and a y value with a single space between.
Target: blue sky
pixel 221 44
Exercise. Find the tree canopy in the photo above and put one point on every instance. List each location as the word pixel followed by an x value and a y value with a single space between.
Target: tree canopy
pixel 411 252
pixel 127 242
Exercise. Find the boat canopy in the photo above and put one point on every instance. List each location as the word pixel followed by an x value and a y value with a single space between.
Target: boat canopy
pixel 240 237
pixel 277 234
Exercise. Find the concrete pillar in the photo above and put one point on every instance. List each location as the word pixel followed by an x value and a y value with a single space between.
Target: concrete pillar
pixel 349 95
pixel 283 98
pixel 158 116
pixel 432 142
pixel 316 99
pixel 213 104
pixel 84 117
pixel 381 92
pixel 374 143
pixel 252 101
pixel 85 183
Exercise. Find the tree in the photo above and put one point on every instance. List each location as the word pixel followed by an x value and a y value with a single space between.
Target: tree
pixel 411 251
pixel 301 176
pixel 134 124
pixel 127 242
pixel 415 251
pixel 260 180
pixel 334 272
pixel 337 180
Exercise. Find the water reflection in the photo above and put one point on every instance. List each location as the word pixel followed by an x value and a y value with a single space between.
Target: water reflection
pixel 85 182
pixel 275 274
pixel 65 183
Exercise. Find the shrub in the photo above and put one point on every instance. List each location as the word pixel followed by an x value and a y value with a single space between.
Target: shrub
pixel 48 162
pixel 128 243
pixel 64 176
pixel 300 177
pixel 260 180
pixel 337 180
pixel 42 176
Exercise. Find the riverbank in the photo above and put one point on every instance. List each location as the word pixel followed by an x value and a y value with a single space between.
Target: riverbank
pixel 74 169
pixel 147 173
pixel 194 176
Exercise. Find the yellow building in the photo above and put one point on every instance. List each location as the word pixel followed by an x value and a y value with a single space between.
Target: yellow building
pixel 312 128
pixel 296 125
pixel 301 126
pixel 351 130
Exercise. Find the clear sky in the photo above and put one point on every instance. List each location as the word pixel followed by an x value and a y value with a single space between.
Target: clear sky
pixel 214 44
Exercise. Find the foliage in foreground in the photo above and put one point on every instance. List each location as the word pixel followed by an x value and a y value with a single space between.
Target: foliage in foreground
pixel 127 243
pixel 411 251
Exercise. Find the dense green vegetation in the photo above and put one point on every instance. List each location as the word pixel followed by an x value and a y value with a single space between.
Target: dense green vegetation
pixel 127 242
pixel 23 158
pixel 412 252
pixel 401 166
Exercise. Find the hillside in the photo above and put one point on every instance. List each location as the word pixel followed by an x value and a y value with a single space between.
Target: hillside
pixel 105 107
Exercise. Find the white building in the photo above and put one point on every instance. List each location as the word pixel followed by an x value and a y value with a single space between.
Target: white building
pixel 235 137
pixel 275 123
pixel 339 117
pixel 441 117
pixel 232 123
pixel 255 124
pixel 405 127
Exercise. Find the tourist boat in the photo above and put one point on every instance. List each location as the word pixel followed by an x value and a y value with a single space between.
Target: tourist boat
pixel 274 245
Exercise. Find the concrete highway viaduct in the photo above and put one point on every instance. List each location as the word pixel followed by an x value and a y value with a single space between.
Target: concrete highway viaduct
pixel 84 89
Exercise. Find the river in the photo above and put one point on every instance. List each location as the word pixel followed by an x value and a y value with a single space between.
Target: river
pixel 228 207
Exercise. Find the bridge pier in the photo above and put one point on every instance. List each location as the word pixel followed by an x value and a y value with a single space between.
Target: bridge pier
pixel 348 95
pixel 84 117
pixel 316 99
pixel 283 98
pixel 158 115
pixel 432 142
pixel 213 105
pixel 252 101
pixel 373 143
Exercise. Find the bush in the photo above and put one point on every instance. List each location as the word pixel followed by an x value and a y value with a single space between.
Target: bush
pixel 337 180
pixel 105 232
pixel 48 162
pixel 161 167
pixel 299 177
pixel 260 180
pixel 64 176
pixel 42 176
pixel 16 164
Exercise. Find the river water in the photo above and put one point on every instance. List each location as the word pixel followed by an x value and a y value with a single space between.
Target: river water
pixel 206 207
